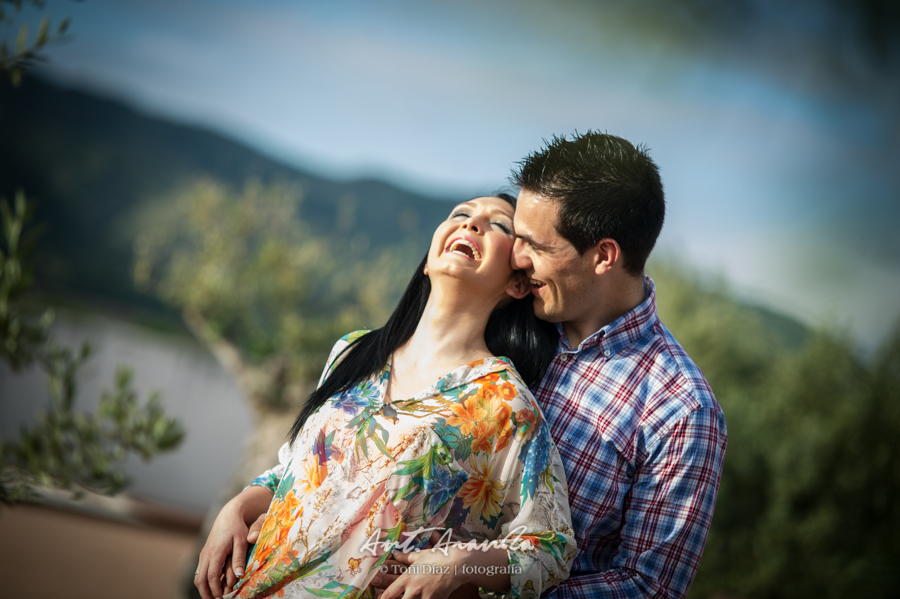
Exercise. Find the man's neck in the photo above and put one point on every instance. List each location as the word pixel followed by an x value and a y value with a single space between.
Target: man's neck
pixel 621 297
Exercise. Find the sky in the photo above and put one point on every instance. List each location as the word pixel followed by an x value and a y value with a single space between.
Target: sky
pixel 776 134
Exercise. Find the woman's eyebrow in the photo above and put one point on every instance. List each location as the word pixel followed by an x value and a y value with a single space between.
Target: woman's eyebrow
pixel 492 211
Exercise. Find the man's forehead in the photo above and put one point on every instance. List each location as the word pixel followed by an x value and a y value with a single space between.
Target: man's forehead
pixel 536 217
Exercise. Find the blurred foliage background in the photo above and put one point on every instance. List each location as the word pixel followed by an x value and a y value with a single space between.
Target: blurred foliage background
pixel 67 449
pixel 266 291
pixel 807 503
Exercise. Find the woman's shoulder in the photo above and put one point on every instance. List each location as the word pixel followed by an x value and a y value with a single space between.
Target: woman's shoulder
pixel 345 342
pixel 349 338
pixel 337 351
pixel 502 372
pixel 504 367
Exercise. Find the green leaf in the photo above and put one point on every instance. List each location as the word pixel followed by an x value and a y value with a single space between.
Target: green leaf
pixel 43 29
pixel 22 39
pixel 381 446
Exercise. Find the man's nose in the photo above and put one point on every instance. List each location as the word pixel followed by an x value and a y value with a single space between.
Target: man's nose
pixel 517 259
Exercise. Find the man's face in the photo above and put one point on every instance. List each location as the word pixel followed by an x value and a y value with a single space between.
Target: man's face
pixel 561 279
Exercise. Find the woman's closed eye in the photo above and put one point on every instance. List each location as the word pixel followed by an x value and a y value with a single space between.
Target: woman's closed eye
pixel 503 226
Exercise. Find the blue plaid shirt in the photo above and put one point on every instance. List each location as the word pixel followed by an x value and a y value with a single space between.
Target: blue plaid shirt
pixel 642 440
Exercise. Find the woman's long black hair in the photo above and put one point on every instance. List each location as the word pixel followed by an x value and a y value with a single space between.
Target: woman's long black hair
pixel 512 331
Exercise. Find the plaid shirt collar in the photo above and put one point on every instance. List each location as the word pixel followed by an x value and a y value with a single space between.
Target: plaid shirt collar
pixel 623 331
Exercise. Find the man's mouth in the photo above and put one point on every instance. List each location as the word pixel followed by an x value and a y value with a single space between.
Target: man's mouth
pixel 465 248
pixel 536 285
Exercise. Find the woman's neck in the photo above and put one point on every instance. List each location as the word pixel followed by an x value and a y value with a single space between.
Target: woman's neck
pixel 449 334
pixel 450 330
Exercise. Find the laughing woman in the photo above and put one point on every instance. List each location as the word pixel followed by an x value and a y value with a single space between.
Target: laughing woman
pixel 423 425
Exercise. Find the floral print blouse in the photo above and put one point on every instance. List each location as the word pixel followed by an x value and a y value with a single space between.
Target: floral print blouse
pixel 470 456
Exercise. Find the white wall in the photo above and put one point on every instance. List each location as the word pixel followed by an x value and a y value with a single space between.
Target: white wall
pixel 194 388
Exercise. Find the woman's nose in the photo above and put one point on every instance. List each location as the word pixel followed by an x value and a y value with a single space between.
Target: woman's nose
pixel 471 224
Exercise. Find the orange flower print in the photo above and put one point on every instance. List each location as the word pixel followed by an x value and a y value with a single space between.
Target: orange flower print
pixel 467 415
pixel 501 412
pixel 482 433
pixel 508 391
pixel 285 508
pixel 277 525
pixel 503 416
pixel 482 493
pixel 489 379
pixel 503 439
pixel 487 394
pixel 525 419
pixel 311 475
pixel 354 562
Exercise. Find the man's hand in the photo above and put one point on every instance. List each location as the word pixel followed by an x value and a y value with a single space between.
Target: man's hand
pixel 440 573
pixel 229 535
pixel 427 575
pixel 391 569
pixel 253 534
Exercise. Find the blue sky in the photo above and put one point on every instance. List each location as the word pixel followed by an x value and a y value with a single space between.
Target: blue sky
pixel 779 169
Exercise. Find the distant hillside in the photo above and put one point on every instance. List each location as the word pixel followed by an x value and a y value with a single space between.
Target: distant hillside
pixel 93 163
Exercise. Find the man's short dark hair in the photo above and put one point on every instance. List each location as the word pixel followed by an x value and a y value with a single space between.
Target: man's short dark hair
pixel 605 187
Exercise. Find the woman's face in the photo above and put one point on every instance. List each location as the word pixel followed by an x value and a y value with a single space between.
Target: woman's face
pixel 475 243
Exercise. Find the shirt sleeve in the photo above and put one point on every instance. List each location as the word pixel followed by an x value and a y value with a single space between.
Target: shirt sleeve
pixel 668 517
pixel 539 539
pixel 270 478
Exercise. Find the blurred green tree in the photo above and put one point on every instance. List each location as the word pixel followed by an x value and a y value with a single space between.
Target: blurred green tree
pixel 14 59
pixel 805 505
pixel 267 293
pixel 66 449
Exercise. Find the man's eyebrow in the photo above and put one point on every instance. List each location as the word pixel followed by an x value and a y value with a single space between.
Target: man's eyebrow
pixel 530 240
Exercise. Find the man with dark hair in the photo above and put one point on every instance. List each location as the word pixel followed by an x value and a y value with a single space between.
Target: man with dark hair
pixel 640 433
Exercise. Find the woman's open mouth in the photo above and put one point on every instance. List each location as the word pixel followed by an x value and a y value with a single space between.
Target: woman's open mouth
pixel 465 248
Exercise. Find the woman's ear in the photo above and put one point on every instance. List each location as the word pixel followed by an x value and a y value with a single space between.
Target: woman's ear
pixel 519 286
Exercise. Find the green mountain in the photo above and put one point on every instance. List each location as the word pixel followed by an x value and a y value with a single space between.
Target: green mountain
pixel 93 164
